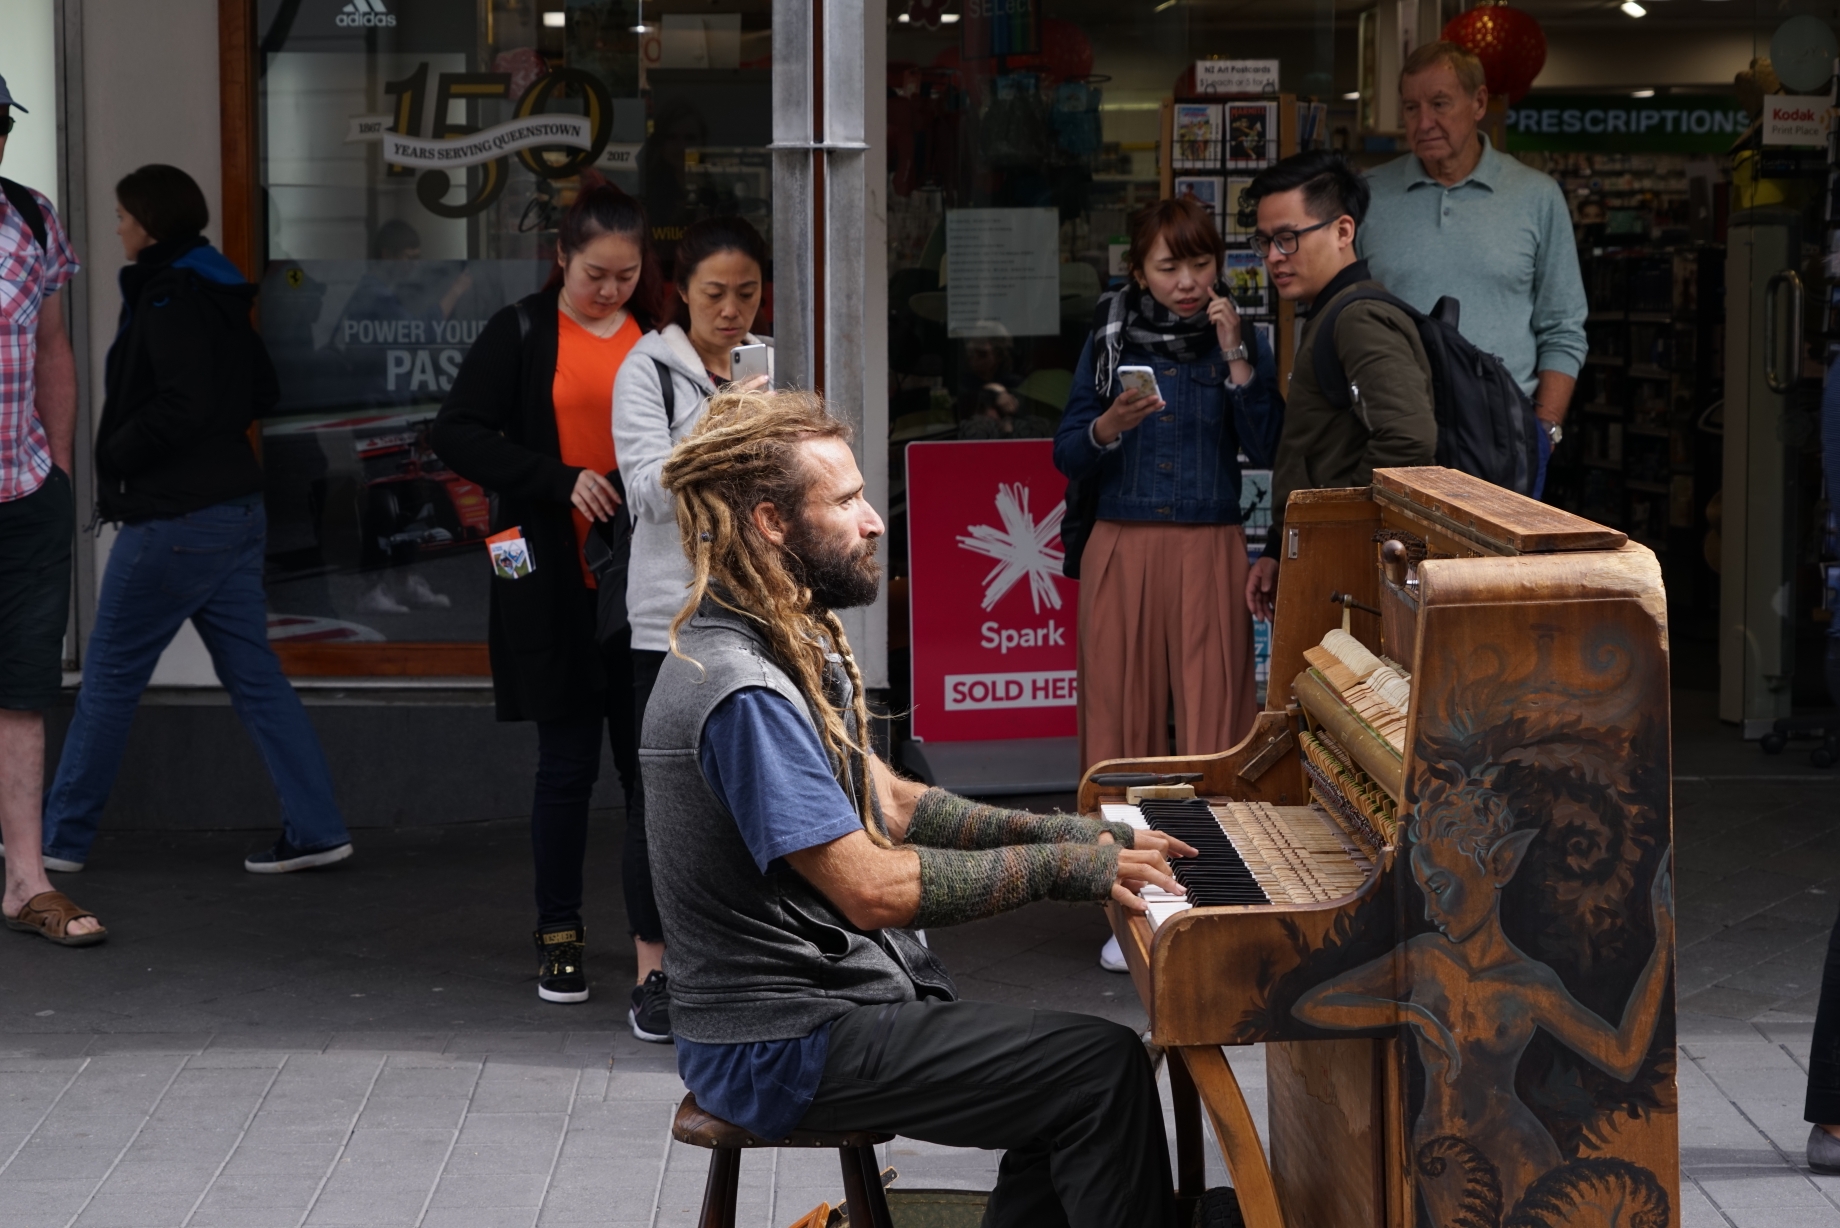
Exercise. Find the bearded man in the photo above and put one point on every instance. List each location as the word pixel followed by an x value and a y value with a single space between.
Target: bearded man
pixel 792 866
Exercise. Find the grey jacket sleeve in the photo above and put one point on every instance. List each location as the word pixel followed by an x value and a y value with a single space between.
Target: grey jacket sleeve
pixel 642 438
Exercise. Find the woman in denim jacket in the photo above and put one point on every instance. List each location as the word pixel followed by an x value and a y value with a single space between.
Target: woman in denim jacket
pixel 1162 614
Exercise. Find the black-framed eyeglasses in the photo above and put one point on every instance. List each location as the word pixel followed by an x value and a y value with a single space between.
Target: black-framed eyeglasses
pixel 6 125
pixel 1285 240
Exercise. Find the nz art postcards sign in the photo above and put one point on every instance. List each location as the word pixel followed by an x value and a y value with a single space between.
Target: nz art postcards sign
pixel 995 641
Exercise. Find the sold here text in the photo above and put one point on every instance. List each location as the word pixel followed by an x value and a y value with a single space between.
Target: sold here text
pixel 1047 689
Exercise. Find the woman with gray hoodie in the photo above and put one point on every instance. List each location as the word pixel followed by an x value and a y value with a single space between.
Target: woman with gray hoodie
pixel 663 388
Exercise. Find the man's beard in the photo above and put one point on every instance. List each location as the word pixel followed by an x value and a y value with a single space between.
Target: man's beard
pixel 840 578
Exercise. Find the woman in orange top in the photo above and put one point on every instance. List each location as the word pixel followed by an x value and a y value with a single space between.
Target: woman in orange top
pixel 530 418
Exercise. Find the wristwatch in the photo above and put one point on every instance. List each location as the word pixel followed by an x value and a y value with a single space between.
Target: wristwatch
pixel 1239 353
pixel 1554 432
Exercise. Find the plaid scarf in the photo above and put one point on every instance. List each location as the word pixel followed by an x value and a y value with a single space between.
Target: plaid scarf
pixel 1131 314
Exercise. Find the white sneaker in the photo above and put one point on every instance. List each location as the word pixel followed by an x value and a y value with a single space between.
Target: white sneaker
pixel 378 601
pixel 1111 956
pixel 54 863
pixel 423 593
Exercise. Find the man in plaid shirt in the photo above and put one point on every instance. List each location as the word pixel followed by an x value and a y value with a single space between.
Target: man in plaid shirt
pixel 38 416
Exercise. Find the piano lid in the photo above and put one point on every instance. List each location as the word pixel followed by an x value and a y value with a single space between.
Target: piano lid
pixel 1499 520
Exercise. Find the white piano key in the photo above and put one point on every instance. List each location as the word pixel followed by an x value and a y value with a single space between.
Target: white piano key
pixel 1129 815
pixel 1162 910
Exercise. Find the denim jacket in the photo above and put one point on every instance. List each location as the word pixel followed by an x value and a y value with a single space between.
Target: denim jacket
pixel 1180 464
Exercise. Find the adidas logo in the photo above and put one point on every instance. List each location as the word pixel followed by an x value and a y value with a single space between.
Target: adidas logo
pixel 365 13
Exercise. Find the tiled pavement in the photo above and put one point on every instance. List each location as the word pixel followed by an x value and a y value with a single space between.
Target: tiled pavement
pixel 362 1047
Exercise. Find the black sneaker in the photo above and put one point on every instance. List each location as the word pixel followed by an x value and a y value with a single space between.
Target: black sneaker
pixel 650 1015
pixel 563 976
pixel 285 858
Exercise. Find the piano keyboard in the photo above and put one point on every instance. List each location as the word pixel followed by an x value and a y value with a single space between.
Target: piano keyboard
pixel 1219 875
pixel 1250 853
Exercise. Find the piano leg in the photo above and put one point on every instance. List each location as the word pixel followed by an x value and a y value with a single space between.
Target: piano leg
pixel 1191 1159
pixel 1238 1137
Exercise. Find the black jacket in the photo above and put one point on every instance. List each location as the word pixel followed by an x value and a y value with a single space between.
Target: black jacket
pixel 186 376
pixel 498 428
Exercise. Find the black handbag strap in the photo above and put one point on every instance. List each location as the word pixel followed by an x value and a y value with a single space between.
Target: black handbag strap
pixel 667 392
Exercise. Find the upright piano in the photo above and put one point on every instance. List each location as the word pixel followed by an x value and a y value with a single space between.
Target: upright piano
pixel 1434 879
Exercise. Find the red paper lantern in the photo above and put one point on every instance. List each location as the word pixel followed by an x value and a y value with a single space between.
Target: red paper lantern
pixel 1510 44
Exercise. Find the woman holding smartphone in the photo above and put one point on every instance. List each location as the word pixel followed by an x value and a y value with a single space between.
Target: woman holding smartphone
pixel 1162 623
pixel 527 420
pixel 662 392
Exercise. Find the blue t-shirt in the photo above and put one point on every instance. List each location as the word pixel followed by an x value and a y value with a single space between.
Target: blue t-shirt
pixel 764 762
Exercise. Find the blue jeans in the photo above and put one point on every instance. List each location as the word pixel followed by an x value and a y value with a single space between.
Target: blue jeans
pixel 205 566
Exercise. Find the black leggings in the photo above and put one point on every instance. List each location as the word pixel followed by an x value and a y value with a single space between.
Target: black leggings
pixel 568 765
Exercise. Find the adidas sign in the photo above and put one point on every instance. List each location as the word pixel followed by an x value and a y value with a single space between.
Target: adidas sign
pixel 365 13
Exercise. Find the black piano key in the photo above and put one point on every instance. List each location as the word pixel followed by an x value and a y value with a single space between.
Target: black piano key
pixel 1217 875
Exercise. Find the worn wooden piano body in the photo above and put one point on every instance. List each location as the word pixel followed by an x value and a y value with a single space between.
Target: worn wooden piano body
pixel 1482 1032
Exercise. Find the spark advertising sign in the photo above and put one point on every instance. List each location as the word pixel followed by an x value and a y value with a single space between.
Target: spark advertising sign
pixel 995 641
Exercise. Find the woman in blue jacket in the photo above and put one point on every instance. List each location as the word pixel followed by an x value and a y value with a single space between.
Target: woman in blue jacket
pixel 1162 615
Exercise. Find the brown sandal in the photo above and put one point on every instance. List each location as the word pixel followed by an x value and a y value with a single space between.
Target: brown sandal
pixel 49 914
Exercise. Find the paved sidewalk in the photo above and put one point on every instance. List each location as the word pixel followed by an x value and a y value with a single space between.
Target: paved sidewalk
pixel 364 1046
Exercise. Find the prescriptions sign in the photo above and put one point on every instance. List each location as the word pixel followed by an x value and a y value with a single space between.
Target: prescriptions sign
pixel 994 640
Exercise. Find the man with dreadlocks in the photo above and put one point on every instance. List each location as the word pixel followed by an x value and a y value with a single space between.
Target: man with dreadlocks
pixel 791 865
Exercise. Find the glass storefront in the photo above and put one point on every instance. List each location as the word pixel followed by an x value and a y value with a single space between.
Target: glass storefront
pixel 414 156
pixel 1021 139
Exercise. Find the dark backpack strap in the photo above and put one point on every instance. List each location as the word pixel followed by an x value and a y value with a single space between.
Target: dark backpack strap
pixel 22 199
pixel 1331 377
pixel 667 392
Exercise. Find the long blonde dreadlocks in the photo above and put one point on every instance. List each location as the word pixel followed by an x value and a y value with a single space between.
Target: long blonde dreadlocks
pixel 745 452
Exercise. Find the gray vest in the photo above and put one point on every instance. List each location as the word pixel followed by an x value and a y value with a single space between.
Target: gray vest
pixel 751 956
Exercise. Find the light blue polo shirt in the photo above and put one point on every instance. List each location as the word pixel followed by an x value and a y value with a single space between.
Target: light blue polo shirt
pixel 1499 241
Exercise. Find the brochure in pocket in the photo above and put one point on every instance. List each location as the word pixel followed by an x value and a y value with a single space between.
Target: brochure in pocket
pixel 510 554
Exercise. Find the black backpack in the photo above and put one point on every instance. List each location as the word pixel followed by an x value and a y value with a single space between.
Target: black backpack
pixel 1486 424
pixel 21 199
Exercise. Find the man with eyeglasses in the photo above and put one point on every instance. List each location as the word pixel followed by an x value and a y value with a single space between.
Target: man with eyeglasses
pixel 1310 207
pixel 38 420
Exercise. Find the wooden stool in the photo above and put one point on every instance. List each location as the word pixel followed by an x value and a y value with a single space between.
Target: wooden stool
pixel 862 1179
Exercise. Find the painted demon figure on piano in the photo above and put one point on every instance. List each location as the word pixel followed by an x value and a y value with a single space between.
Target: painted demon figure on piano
pixel 792 866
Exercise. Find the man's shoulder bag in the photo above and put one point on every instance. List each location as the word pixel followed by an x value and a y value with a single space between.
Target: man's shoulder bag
pixel 1486 424
pixel 21 198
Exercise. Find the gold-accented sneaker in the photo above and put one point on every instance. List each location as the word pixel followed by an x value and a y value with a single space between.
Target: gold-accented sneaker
pixel 563 976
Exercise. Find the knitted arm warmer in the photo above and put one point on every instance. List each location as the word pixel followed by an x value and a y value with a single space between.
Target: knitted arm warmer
pixel 963 885
pixel 946 821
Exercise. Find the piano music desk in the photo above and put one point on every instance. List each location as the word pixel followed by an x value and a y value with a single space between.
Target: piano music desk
pixel 1480 1034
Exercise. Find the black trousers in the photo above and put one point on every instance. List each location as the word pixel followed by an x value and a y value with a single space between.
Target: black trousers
pixel 1070 1099
pixel 568 765
pixel 1823 1102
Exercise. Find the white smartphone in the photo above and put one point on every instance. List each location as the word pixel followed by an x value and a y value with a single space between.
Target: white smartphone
pixel 1137 379
pixel 747 361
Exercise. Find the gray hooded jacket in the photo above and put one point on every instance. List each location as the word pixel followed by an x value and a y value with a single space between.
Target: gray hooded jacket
pixel 658 578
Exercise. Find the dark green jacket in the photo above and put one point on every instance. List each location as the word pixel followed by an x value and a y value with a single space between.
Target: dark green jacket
pixel 1391 422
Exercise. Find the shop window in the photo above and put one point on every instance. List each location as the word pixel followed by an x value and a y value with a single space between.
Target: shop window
pixel 1021 141
pixel 383 258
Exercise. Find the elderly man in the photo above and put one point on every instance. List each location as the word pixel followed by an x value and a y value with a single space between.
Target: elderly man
pixel 791 865
pixel 38 424
pixel 1458 217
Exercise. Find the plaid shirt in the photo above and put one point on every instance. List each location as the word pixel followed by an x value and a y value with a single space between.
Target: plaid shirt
pixel 27 277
